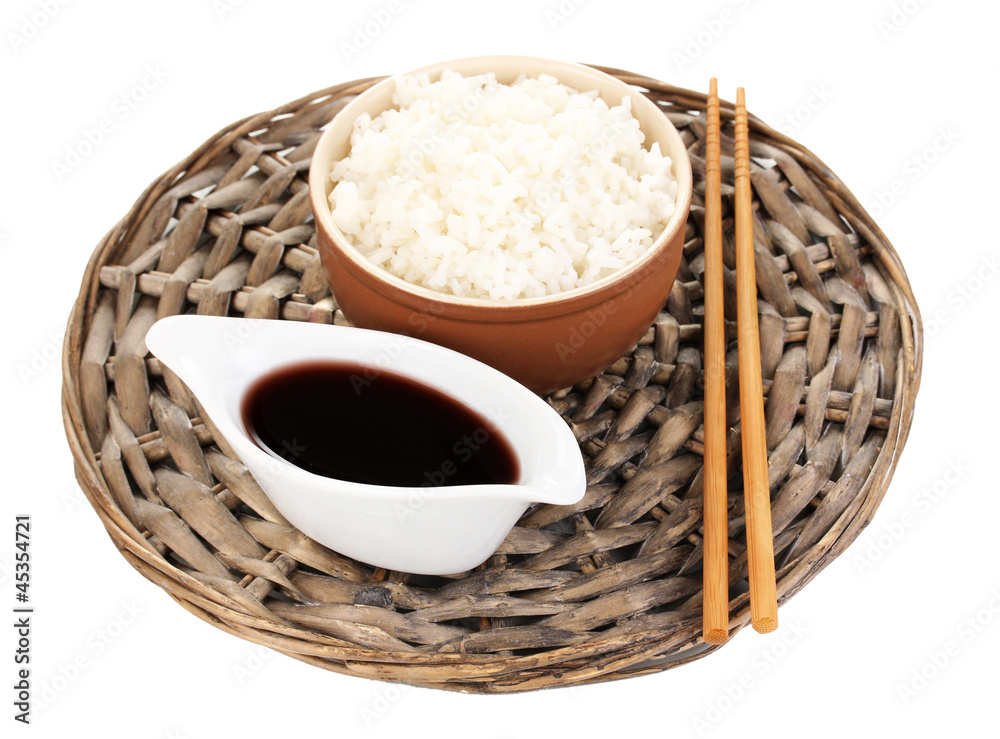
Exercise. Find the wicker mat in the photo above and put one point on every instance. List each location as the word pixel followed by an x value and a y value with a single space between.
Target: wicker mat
pixel 607 588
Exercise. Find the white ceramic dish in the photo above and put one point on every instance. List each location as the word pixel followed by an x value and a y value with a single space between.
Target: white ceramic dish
pixel 425 530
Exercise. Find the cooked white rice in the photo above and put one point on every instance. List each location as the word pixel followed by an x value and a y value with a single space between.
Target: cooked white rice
pixel 494 191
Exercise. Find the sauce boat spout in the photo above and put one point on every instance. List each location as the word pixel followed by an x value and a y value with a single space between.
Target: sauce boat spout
pixel 206 350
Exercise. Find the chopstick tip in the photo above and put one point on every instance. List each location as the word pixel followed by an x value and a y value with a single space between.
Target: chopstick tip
pixel 716 636
pixel 765 625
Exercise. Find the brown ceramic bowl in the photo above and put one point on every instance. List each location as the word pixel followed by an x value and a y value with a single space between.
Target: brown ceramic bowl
pixel 545 343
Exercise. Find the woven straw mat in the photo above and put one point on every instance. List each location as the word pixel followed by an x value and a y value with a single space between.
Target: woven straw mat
pixel 606 588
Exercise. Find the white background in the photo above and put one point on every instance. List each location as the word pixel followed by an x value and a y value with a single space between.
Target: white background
pixel 883 91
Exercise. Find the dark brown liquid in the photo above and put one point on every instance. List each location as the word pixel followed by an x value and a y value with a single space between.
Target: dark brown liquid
pixel 361 424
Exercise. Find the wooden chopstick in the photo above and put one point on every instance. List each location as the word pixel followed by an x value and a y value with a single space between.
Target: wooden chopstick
pixel 715 626
pixel 760 542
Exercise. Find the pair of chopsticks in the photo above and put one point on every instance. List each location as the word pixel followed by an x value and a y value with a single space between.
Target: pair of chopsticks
pixel 760 543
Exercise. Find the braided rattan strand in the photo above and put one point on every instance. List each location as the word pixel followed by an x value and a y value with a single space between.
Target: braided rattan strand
pixel 604 589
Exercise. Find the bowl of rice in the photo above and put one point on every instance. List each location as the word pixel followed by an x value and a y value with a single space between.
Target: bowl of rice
pixel 526 212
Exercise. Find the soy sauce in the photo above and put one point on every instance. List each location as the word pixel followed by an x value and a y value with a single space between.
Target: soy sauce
pixel 366 425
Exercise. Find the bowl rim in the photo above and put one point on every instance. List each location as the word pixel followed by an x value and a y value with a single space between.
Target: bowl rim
pixel 319 171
